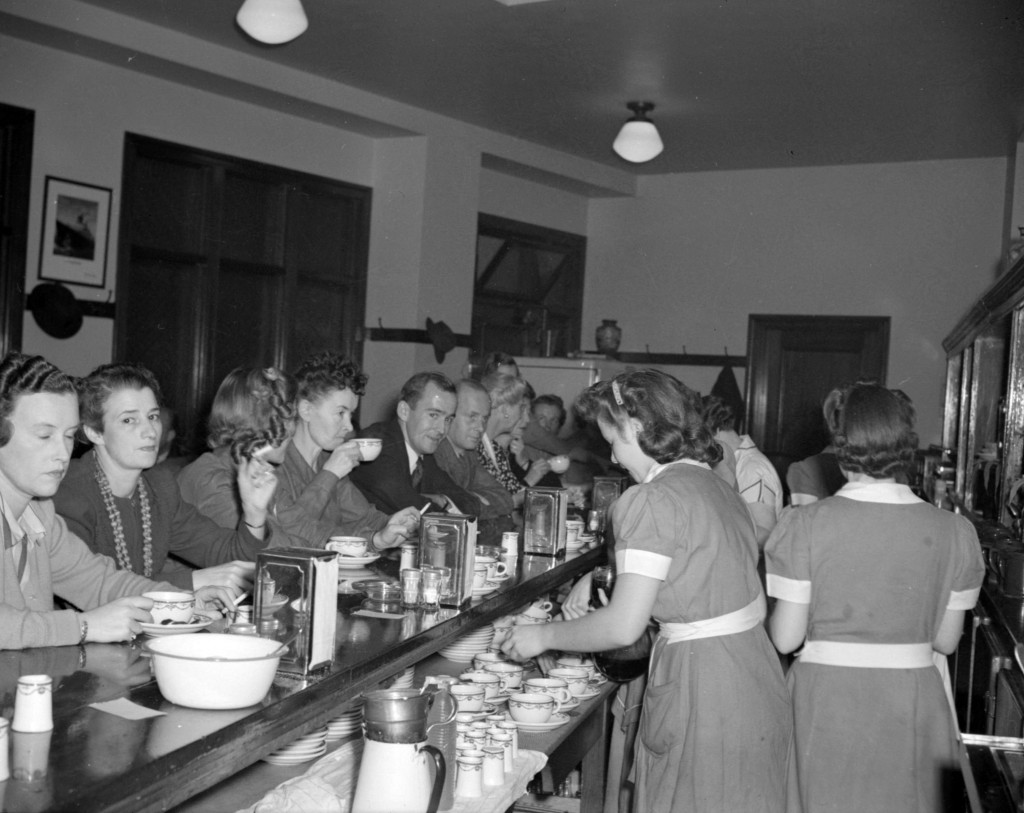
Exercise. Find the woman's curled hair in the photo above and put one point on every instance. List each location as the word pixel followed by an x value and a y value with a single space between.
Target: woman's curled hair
pixel 323 373
pixel 253 408
pixel 873 430
pixel 669 412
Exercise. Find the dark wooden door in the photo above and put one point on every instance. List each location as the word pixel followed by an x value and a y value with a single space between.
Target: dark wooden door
pixel 792 364
pixel 229 263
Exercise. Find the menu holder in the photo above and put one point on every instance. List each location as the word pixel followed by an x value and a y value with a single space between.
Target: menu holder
pixel 297 603
pixel 448 540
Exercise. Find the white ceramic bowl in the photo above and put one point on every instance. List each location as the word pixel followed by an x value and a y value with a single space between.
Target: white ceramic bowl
pixel 369 448
pixel 213 670
pixel 168 606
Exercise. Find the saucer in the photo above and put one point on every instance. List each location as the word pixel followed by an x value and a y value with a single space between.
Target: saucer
pixel 574 703
pixel 488 709
pixel 485 590
pixel 503 578
pixel 557 719
pixel 589 694
pixel 353 562
pixel 159 630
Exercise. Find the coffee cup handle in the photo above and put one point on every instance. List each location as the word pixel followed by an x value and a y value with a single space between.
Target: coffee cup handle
pixel 500 568
pixel 566 698
pixel 558 706
pixel 546 606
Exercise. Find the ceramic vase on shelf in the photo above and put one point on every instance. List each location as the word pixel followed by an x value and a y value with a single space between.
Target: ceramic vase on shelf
pixel 608 336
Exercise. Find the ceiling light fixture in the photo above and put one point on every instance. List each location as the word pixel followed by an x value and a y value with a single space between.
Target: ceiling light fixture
pixel 272 21
pixel 638 140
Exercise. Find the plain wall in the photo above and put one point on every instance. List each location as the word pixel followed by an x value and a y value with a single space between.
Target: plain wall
pixel 688 260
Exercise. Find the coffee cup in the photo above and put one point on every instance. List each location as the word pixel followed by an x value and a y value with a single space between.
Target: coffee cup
pixel 576 678
pixel 511 675
pixel 171 607
pixel 482 659
pixel 559 464
pixel 347 545
pixel 496 570
pixel 479 575
pixel 577 662
pixel 556 687
pixel 532 708
pixel 468 696
pixel 490 681
pixel 369 448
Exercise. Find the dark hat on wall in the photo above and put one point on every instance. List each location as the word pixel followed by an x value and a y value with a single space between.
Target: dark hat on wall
pixel 442 337
pixel 55 309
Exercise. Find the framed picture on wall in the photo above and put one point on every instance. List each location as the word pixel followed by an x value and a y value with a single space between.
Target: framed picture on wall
pixel 76 221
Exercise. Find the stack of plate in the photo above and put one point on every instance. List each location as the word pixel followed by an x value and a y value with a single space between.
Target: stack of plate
pixel 303 749
pixel 404 680
pixel 345 724
pixel 469 645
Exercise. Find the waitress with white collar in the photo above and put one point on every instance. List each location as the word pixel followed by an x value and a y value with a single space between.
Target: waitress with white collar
pixel 872 583
pixel 716 723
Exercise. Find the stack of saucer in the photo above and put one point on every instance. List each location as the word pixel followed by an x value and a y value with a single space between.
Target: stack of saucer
pixel 345 724
pixel 304 749
pixel 469 645
pixel 403 680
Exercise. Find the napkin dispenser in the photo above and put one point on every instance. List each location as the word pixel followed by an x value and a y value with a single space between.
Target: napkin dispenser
pixel 296 602
pixel 448 540
pixel 607 489
pixel 544 513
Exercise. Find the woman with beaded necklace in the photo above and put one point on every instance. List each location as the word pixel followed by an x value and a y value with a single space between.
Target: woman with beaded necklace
pixel 123 508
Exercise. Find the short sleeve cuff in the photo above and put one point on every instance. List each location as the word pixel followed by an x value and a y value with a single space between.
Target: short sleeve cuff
pixel 643 563
pixel 798 592
pixel 963 599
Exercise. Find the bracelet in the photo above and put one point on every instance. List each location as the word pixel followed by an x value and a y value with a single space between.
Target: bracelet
pixel 252 527
pixel 83 625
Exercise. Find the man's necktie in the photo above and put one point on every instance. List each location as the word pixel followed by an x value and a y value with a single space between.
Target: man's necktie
pixel 417 473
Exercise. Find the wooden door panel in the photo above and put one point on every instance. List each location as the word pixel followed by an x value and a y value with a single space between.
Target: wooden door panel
pixel 792 364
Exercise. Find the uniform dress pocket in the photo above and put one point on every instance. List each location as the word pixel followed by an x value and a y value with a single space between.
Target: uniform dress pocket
pixel 662 720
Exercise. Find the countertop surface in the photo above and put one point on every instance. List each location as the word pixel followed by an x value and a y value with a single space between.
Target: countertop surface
pixel 95 760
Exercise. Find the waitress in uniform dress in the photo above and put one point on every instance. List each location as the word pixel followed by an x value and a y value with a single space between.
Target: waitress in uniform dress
pixel 873 582
pixel 716 724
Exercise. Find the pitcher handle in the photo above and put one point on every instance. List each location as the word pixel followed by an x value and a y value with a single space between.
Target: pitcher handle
pixel 439 776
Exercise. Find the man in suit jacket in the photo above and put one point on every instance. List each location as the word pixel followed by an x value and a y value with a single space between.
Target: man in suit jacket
pixel 406 472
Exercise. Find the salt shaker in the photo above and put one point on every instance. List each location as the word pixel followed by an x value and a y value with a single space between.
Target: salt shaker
pixel 494 765
pixel 409 551
pixel 430 589
pixel 411 578
pixel 470 780
pixel 33 704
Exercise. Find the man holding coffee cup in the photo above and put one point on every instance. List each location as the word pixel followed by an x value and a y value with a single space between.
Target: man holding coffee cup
pixel 38 421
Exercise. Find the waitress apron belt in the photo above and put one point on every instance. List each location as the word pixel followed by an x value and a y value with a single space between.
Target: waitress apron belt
pixel 868 656
pixel 729 624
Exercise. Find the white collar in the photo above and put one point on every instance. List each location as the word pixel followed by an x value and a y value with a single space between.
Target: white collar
pixel 891 493
pixel 658 468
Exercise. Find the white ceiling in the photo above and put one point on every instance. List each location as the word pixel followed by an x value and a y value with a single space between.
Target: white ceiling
pixel 737 83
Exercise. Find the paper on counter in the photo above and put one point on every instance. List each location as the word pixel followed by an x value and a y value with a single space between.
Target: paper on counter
pixel 123 707
pixel 375 614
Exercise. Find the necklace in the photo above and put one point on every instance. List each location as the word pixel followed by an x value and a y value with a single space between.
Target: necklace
pixel 120 546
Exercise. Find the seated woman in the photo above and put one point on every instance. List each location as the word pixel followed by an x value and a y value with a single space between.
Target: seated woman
pixel 252 418
pixel 510 411
pixel 137 517
pixel 315 498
